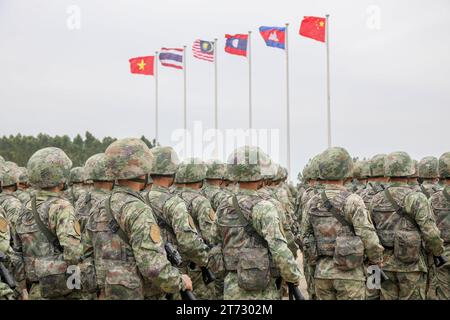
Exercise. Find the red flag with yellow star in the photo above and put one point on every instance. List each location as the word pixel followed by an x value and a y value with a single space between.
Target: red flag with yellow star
pixel 314 28
pixel 142 65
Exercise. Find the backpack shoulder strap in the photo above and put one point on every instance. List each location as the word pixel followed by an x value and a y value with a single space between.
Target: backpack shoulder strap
pixel 248 227
pixel 398 208
pixel 51 237
pixel 446 195
pixel 336 213
pixel 424 191
pixel 114 226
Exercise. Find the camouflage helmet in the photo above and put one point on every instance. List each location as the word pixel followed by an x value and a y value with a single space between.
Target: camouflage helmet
pixel 96 168
pixel 23 175
pixel 165 161
pixel 48 168
pixel 191 170
pixel 281 174
pixel 215 169
pixel 245 164
pixel 305 172
pixel 444 165
pixel 376 165
pixel 416 169
pixel 314 168
pixel 127 159
pixel 361 169
pixel 10 174
pixel 428 168
pixel 335 164
pixel 398 164
pixel 76 175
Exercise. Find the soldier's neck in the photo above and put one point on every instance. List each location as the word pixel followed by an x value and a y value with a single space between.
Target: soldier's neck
pixel 253 185
pixel 333 182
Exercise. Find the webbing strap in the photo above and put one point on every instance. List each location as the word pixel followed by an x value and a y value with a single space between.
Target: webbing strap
pixel 336 213
pixel 51 237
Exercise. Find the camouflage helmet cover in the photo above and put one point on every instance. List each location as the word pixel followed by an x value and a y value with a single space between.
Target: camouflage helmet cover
pixel 335 164
pixel 245 164
pixel 10 174
pixel 165 161
pixel 23 175
pixel 361 169
pixel 191 170
pixel 444 165
pixel 48 168
pixel 215 169
pixel 428 168
pixel 376 165
pixel 96 168
pixel 128 158
pixel 398 164
pixel 76 175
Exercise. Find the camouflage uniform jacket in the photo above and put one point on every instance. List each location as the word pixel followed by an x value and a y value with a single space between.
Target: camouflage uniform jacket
pixel 177 225
pixel 23 195
pixel 428 189
pixel 12 206
pixel 265 220
pixel 58 216
pixel 74 192
pixel 368 193
pixel 440 204
pixel 5 291
pixel 356 214
pixel 201 211
pixel 214 194
pixel 416 206
pixel 283 196
pixel 144 248
pixel 85 202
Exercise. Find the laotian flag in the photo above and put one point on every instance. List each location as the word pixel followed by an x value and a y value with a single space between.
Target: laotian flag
pixel 236 44
pixel 274 36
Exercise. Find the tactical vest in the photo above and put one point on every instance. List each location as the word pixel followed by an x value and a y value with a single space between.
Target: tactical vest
pixel 441 210
pixel 388 219
pixel 244 250
pixel 327 226
pixel 167 233
pixel 115 264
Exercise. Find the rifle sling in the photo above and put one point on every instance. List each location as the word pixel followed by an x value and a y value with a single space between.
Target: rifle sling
pixel 398 208
pixel 336 213
pixel 51 237
pixel 122 235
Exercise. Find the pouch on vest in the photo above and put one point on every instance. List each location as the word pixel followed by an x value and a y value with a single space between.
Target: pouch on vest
pixel 348 252
pixel 52 276
pixel 88 276
pixel 123 283
pixel 407 246
pixel 253 269
pixel 311 254
pixel 215 260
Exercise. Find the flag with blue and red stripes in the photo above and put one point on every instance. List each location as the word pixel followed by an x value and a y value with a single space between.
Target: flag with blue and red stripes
pixel 171 57
pixel 274 36
pixel 236 44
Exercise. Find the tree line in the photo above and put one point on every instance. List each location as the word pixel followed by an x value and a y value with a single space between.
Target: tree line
pixel 20 148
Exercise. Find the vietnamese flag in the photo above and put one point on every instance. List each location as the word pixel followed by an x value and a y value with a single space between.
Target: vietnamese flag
pixel 142 65
pixel 314 28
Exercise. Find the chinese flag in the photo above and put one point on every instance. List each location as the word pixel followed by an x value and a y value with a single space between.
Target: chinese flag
pixel 314 28
pixel 142 65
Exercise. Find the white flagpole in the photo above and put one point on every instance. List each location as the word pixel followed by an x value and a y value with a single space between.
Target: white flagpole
pixel 249 52
pixel 327 40
pixel 156 97
pixel 288 120
pixel 216 106
pixel 184 92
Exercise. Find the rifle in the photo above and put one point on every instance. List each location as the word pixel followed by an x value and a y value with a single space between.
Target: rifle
pixel 175 259
pixel 207 275
pixel 4 273
pixel 294 292
pixel 439 261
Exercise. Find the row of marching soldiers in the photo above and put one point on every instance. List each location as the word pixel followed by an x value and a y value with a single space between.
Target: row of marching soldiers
pixel 137 224
pixel 134 223
pixel 379 231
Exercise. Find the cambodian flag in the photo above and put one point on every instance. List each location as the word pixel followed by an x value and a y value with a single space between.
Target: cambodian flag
pixel 236 44
pixel 274 36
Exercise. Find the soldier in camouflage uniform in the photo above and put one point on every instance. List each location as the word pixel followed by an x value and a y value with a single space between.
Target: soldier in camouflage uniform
pixel 361 172
pixel 8 198
pixel 254 248
pixel 404 221
pixel 413 179
pixel 429 174
pixel 23 192
pixel 123 238
pixel 49 236
pixel 440 204
pixel 188 181
pixel 213 185
pixel 178 226
pixel 343 232
pixel 6 293
pixel 94 170
pixel 76 183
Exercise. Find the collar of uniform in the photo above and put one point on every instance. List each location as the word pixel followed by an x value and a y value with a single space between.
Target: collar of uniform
pixel 248 192
pixel 160 188
pixel 122 188
pixel 398 184
pixel 100 190
pixel 45 193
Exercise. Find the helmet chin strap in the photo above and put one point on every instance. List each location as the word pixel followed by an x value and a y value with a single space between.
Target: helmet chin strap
pixel 140 180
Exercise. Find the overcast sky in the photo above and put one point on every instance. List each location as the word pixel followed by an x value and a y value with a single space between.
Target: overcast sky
pixel 390 70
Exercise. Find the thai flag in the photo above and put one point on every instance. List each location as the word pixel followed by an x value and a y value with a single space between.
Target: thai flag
pixel 171 57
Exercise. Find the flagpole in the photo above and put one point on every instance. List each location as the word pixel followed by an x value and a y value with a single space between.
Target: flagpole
pixel 216 108
pixel 249 80
pixel 288 130
pixel 156 97
pixel 328 79
pixel 184 92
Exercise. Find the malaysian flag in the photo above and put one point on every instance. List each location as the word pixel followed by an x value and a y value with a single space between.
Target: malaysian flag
pixel 171 57
pixel 203 50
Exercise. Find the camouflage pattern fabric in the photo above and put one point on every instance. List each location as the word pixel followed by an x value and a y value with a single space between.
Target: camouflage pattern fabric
pixel 428 168
pixel 214 194
pixel 85 202
pixel 339 289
